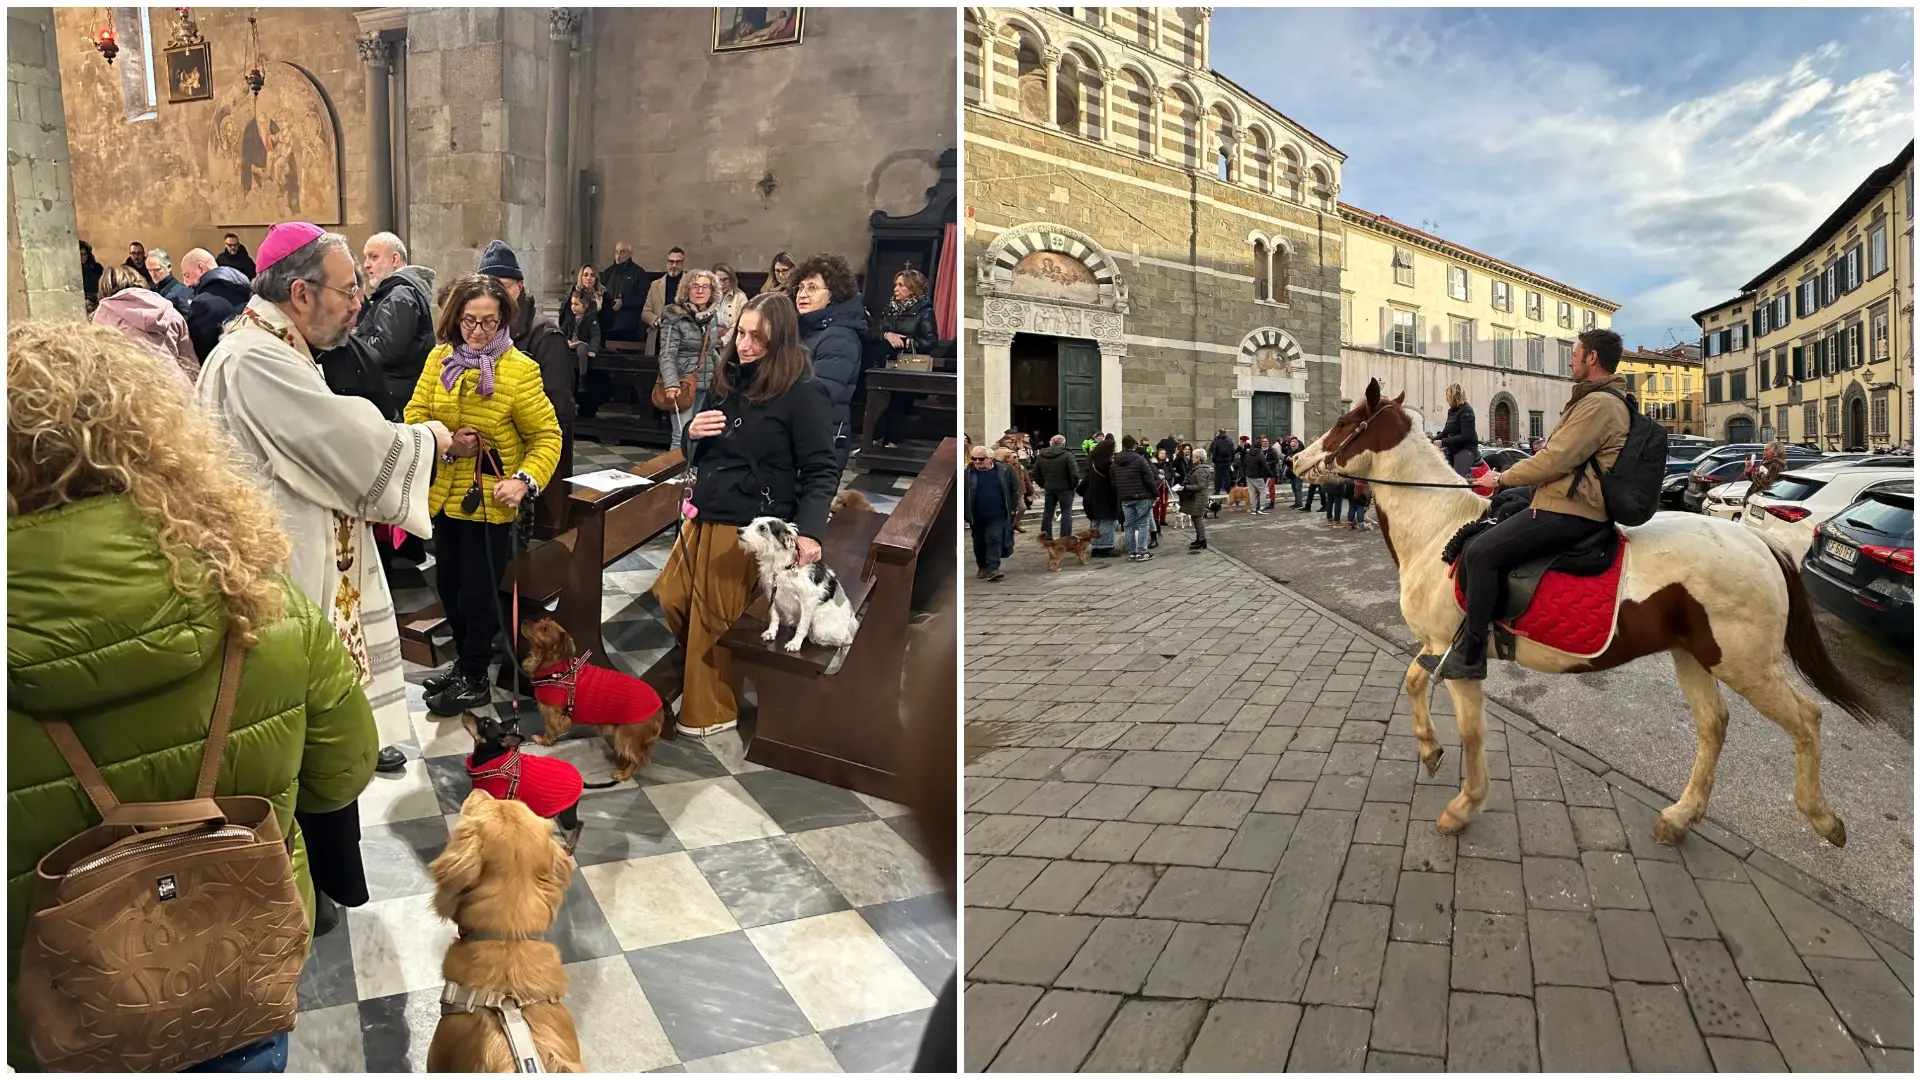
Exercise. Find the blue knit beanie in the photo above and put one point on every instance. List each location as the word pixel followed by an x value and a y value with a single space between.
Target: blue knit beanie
pixel 500 261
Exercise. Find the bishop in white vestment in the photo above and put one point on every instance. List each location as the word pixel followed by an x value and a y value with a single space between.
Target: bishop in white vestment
pixel 333 464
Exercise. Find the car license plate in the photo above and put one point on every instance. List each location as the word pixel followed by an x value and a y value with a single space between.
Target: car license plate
pixel 1842 553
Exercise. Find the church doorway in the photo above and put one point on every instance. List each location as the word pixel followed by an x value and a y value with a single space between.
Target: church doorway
pixel 1055 388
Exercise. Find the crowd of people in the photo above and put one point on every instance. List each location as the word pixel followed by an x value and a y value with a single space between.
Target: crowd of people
pixel 242 444
pixel 1127 488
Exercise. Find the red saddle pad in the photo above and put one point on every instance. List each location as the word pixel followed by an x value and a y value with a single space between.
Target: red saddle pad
pixel 1569 613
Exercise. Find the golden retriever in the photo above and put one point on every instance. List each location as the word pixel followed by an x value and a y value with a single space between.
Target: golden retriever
pixel 502 876
pixel 1238 497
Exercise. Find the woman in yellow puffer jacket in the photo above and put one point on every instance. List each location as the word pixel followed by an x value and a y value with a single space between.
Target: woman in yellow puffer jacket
pixel 506 445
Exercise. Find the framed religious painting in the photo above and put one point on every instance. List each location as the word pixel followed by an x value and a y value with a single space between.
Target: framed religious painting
pixel 189 73
pixel 739 29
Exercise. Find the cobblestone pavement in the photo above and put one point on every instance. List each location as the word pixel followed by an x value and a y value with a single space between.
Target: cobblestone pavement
pixel 1198 837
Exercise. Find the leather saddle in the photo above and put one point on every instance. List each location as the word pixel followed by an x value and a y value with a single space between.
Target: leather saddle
pixel 1589 558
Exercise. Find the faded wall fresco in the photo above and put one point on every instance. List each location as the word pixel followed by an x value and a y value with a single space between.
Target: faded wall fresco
pixel 274 157
pixel 1054 276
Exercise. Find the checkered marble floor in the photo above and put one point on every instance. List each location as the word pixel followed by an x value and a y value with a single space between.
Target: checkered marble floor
pixel 724 917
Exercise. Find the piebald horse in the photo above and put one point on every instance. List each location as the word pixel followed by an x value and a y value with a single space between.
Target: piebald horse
pixel 1713 594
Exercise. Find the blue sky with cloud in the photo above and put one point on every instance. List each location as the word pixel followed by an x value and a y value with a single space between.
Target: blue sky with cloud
pixel 1658 157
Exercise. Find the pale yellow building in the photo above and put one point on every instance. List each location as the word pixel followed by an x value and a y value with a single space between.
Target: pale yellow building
pixel 1833 326
pixel 1668 384
pixel 1419 313
pixel 1731 411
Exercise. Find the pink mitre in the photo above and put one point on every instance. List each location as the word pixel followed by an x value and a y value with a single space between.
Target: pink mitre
pixel 284 239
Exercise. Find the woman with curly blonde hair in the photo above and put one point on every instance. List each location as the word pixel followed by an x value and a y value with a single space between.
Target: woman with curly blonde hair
pixel 135 546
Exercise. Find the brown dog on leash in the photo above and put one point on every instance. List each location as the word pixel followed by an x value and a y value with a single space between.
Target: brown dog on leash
pixel 1075 545
pixel 570 691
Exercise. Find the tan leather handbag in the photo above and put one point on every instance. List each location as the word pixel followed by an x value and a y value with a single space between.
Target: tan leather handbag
pixel 170 933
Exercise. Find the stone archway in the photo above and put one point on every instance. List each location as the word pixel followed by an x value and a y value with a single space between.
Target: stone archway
pixel 1740 429
pixel 1501 417
pixel 1853 418
pixel 1270 362
pixel 1044 278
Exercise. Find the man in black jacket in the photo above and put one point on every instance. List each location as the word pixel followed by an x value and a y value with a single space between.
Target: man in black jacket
pixel 1057 472
pixel 395 332
pixel 220 294
pixel 625 283
pixel 1221 454
pixel 1260 463
pixel 1136 484
pixel 540 338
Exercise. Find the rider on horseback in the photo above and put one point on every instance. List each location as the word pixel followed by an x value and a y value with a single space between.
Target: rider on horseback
pixel 1567 506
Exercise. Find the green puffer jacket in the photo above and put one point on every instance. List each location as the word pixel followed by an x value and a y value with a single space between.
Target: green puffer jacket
pixel 96 631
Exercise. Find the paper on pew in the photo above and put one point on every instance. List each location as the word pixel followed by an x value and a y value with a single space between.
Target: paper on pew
pixel 609 480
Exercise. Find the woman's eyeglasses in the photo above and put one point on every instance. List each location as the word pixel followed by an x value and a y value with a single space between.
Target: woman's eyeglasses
pixel 487 324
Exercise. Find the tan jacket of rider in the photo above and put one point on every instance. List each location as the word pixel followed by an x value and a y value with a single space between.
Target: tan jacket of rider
pixel 1593 425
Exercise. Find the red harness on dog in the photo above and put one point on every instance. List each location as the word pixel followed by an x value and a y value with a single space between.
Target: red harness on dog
pixel 595 695
pixel 546 785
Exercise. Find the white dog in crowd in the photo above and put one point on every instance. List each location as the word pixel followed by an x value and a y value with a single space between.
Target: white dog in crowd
pixel 808 598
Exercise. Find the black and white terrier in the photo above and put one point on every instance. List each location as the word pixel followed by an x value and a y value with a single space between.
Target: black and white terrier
pixel 808 598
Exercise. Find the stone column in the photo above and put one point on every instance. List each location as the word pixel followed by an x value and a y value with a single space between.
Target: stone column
pixel 43 253
pixel 561 23
pixel 1050 56
pixel 1111 353
pixel 989 58
pixel 376 52
pixel 1107 76
pixel 403 200
pixel 1156 106
pixel 996 371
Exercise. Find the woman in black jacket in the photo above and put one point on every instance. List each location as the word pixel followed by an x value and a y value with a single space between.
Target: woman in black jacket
pixel 1099 499
pixel 763 447
pixel 833 327
pixel 907 326
pixel 1458 440
pixel 580 322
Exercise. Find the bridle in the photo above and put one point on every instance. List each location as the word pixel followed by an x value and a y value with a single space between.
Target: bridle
pixel 1366 420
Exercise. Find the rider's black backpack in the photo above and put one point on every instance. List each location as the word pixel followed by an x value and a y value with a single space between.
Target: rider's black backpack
pixel 1632 487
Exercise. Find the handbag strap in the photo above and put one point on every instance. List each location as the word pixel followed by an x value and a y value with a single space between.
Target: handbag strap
pixel 95 785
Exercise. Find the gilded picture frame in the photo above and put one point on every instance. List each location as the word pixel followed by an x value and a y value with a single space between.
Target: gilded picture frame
pixel 189 73
pixel 740 29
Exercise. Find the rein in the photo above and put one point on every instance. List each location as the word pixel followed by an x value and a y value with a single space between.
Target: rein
pixel 1370 480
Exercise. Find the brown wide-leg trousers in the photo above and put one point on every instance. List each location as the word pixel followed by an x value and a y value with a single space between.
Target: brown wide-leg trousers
pixel 711 577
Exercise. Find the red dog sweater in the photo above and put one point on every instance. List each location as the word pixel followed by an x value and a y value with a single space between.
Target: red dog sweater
pixel 546 785
pixel 595 695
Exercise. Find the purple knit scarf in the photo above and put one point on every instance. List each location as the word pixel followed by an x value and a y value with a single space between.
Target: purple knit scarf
pixel 465 358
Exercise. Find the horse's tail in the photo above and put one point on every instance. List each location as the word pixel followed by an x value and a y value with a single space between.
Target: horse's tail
pixel 1809 652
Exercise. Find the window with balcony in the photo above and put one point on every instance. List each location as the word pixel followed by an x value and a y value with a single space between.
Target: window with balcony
pixel 1460 343
pixel 1402 266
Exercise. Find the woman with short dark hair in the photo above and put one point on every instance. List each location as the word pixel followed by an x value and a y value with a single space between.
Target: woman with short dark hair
pixel 762 448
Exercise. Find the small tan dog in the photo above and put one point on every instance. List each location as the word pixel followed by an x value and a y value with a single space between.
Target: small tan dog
pixel 851 500
pixel 1075 545
pixel 570 691
pixel 500 881
pixel 1238 497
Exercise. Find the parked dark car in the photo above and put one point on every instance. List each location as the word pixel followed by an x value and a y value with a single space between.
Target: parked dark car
pixel 1723 464
pixel 1860 566
pixel 1502 458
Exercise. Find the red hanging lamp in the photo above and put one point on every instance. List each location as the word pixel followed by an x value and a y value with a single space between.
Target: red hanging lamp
pixel 104 40
pixel 256 78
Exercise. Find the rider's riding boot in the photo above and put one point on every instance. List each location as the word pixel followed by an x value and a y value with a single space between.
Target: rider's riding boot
pixel 1467 659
